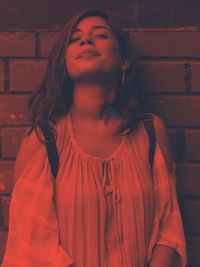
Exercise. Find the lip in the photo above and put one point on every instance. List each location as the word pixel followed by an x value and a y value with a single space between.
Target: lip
pixel 86 53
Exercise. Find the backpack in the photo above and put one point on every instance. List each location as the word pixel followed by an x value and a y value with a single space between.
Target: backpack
pixel 52 152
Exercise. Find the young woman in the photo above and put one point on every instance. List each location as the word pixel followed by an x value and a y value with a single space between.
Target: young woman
pixel 108 206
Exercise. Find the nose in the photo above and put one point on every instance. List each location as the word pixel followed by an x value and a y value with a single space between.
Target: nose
pixel 86 40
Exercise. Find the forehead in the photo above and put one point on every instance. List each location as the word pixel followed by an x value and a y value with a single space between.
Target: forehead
pixel 90 22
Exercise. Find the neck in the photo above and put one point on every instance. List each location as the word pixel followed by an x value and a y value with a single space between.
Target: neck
pixel 88 98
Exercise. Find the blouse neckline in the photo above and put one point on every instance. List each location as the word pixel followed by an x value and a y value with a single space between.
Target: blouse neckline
pixel 78 147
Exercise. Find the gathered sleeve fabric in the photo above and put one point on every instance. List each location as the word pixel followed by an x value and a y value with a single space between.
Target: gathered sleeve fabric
pixel 33 228
pixel 168 228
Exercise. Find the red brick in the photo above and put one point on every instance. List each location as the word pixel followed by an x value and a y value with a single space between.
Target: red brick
pixel 11 139
pixel 195 83
pixel 13 109
pixel 193 245
pixel 3 238
pixel 4 211
pixel 25 75
pixel 17 44
pixel 48 39
pixel 162 76
pixel 126 14
pixel 6 174
pixel 176 110
pixel 188 180
pixel 192 138
pixel 185 13
pixel 154 13
pixel 166 43
pixel 1 76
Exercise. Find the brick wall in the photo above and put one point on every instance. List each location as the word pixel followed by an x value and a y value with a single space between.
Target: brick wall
pixel 169 64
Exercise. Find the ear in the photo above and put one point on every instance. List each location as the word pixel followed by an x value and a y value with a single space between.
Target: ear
pixel 125 64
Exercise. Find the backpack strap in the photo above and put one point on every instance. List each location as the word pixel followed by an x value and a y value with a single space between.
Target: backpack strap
pixel 149 126
pixel 52 151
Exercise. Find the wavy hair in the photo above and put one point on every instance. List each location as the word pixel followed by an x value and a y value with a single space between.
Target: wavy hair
pixel 52 99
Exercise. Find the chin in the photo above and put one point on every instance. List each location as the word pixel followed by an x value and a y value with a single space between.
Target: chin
pixel 93 71
pixel 90 73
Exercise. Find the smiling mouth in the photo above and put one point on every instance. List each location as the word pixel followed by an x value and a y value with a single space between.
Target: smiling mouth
pixel 89 54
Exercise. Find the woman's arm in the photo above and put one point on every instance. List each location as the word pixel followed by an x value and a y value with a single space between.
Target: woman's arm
pixel 163 256
pixel 33 237
pixel 162 138
pixel 28 147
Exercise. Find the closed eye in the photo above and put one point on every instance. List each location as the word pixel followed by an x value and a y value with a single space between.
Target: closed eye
pixel 74 40
pixel 102 36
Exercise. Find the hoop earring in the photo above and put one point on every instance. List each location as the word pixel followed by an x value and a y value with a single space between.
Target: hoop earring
pixel 123 80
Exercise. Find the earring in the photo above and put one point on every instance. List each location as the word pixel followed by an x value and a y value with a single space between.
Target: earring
pixel 123 80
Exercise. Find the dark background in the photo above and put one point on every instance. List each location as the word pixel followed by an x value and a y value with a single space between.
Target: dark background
pixel 29 14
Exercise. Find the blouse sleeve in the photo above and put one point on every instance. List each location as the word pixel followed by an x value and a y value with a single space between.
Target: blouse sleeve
pixel 168 228
pixel 33 238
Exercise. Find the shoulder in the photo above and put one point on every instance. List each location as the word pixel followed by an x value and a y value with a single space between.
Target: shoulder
pixel 29 145
pixel 160 130
pixel 162 137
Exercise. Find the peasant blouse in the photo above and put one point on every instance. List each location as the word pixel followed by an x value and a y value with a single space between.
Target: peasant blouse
pixel 107 212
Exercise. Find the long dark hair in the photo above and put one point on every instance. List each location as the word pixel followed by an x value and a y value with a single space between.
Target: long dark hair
pixel 52 99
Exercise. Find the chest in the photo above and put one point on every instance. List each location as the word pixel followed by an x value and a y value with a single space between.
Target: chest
pixel 100 143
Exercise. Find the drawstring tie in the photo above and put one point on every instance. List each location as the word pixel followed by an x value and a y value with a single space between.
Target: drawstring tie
pixel 109 181
pixel 110 185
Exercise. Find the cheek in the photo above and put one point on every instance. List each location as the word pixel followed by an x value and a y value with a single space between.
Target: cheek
pixel 113 54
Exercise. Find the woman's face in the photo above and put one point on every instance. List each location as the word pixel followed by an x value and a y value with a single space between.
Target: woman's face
pixel 93 49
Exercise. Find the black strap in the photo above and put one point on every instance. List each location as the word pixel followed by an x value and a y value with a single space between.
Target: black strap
pixel 149 126
pixel 52 152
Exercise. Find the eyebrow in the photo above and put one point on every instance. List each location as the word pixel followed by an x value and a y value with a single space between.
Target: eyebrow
pixel 95 27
